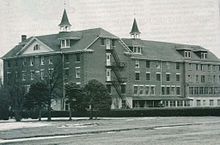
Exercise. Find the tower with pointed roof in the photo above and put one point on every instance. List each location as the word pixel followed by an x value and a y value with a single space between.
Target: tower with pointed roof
pixel 135 33
pixel 64 24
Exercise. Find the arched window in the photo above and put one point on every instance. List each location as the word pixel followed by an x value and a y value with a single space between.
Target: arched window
pixel 36 47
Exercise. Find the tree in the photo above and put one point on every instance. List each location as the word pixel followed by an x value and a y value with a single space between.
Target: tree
pixel 37 96
pixel 74 97
pixel 4 107
pixel 97 96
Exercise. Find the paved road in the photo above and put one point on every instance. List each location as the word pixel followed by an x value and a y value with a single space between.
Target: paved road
pixel 202 132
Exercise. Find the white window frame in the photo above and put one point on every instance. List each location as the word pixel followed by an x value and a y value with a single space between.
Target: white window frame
pixel 42 60
pixel 32 74
pixel 42 74
pixel 78 73
pixel 137 63
pixel 65 43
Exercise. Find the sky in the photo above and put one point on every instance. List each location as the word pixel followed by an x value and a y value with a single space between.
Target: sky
pixel 181 21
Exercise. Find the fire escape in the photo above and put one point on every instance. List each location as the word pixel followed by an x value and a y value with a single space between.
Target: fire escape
pixel 117 80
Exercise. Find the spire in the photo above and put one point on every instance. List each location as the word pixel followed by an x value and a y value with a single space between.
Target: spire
pixel 134 30
pixel 65 24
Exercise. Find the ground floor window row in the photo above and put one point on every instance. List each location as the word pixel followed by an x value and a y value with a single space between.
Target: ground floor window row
pixel 204 90
pixel 210 102
pixel 159 103
pixel 146 90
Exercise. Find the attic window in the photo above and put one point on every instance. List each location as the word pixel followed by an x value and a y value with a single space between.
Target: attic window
pixel 204 55
pixel 187 54
pixel 65 43
pixel 137 50
pixel 36 47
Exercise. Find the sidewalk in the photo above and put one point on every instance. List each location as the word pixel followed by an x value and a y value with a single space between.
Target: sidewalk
pixel 59 127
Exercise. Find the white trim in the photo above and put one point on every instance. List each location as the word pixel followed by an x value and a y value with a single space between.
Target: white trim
pixel 32 39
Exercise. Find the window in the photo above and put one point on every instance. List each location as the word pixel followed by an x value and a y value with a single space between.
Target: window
pixel 198 102
pixel 158 76
pixel 65 43
pixel 31 61
pixel 214 78
pixel 168 77
pixel 102 41
pixel 190 66
pixel 163 90
pixel 62 43
pixel 152 90
pixel 177 65
pixel 135 90
pixel 211 102
pixel 108 74
pixel 204 102
pixel 23 76
pixel 187 54
pixel 141 90
pixel 108 44
pixel 42 60
pixel 78 57
pixel 168 90
pixel 42 74
pixel 172 91
pixel 68 43
pixel 32 75
pixel 177 77
pixel 137 64
pixel 201 67
pixel 147 76
pixel 158 65
pixel 137 76
pixel 203 55
pixel 66 58
pixel 172 103
pixel 36 47
pixel 77 72
pixel 201 90
pixel 123 88
pixel 218 102
pixel 137 49
pixel 24 62
pixel 50 60
pixel 147 64
pixel 206 90
pixel 196 90
pixel 178 90
pixel 202 78
pixel 147 90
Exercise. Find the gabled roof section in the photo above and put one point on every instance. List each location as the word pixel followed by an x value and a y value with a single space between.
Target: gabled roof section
pixel 165 51
pixel 65 20
pixel 134 29
pixel 105 34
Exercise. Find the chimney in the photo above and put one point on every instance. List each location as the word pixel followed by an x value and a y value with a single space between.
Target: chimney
pixel 23 38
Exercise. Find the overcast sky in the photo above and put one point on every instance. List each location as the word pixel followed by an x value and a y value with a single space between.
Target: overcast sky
pixel 183 21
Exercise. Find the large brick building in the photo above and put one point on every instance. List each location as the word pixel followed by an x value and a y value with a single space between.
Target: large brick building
pixel 138 73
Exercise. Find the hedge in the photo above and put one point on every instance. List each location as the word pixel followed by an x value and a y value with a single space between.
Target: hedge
pixel 135 113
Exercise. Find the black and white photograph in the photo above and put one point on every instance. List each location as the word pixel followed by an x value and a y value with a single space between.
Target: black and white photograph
pixel 110 72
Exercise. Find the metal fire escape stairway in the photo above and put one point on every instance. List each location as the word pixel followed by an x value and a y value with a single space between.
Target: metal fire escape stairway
pixel 117 66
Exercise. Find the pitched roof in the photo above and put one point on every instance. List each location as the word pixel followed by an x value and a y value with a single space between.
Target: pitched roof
pixel 134 29
pixel 155 50
pixel 65 20
pixel 81 40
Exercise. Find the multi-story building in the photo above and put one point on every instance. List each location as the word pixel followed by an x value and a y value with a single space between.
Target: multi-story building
pixel 138 73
